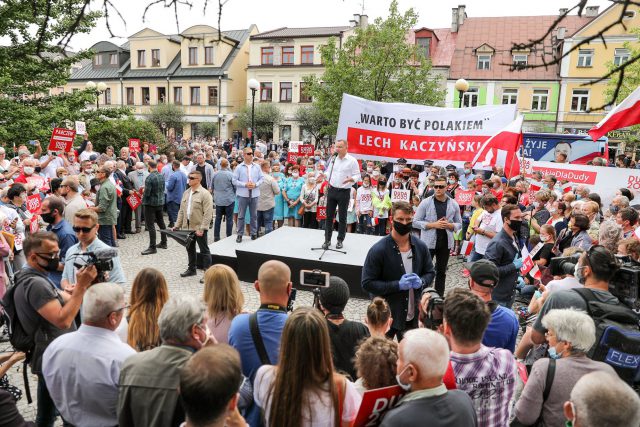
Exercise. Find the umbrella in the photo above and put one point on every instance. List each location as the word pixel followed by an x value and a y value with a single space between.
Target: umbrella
pixel 181 236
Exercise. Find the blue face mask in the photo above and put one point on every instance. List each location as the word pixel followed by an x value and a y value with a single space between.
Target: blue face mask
pixel 554 354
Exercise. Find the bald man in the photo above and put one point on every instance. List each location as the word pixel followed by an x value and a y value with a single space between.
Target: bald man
pixel 274 285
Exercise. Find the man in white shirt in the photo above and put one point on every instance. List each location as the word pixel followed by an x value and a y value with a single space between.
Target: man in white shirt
pixel 342 173
pixel 488 225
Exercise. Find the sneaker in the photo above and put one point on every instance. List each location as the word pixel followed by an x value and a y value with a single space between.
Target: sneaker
pixel 326 245
pixel 239 239
pixel 339 245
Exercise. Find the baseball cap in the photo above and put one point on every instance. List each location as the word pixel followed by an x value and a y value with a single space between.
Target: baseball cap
pixel 483 272
pixel 450 167
pixel 334 297
pixel 504 180
pixel 402 161
pixel 479 182
pixel 428 162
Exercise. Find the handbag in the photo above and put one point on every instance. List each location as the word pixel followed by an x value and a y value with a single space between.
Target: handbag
pixel 301 210
pixel 551 373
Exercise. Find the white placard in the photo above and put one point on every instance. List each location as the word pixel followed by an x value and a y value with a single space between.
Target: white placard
pixel 81 128
pixel 293 146
pixel 400 195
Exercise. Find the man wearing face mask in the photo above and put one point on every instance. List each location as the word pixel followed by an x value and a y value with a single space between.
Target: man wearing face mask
pixel 466 175
pixel 397 268
pixel 52 212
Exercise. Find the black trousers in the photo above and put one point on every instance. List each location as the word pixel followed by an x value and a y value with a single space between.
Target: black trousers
pixel 204 249
pixel 441 254
pixel 337 197
pixel 153 216
pixel 408 325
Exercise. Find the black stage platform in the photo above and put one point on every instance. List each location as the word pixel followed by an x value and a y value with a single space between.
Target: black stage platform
pixel 292 245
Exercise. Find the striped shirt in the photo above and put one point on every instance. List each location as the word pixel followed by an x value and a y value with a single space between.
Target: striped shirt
pixel 488 376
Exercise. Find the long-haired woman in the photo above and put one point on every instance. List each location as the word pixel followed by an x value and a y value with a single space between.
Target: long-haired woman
pixel 223 298
pixel 303 389
pixel 149 293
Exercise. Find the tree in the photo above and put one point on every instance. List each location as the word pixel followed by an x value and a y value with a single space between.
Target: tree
pixel 375 63
pixel 312 119
pixel 118 131
pixel 267 116
pixel 208 129
pixel 169 115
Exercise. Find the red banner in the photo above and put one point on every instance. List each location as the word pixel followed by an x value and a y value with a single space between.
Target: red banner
pixel 577 176
pixel 292 158
pixel 134 200
pixel 34 203
pixel 321 213
pixel 305 150
pixel 464 198
pixel 375 403
pixel 34 226
pixel 134 145
pixel 62 139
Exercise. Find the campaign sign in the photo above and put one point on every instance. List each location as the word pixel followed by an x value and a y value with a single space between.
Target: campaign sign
pixel 305 150
pixel 464 198
pixel 375 403
pixel 293 146
pixel 81 128
pixel 134 145
pixel 34 226
pixel 38 182
pixel 292 157
pixel 400 195
pixel 34 203
pixel 321 213
pixel 579 149
pixel 62 139
pixel 134 200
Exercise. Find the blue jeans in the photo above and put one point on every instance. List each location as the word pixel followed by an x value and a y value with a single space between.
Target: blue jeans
pixel 227 211
pixel 507 304
pixel 266 218
pixel 172 211
pixel 475 256
pixel 252 202
pixel 105 233
pixel 364 224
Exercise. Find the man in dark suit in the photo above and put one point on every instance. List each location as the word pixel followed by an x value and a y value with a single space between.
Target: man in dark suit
pixel 124 219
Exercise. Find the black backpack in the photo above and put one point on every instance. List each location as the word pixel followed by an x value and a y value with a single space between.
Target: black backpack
pixel 20 339
pixel 617 336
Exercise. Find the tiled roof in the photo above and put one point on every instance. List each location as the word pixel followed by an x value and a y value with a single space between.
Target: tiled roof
pixel 286 32
pixel 443 51
pixel 500 33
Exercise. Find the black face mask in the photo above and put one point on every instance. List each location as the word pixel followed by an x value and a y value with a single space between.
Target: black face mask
pixel 47 217
pixel 515 225
pixel 402 229
pixel 52 263
pixel 37 169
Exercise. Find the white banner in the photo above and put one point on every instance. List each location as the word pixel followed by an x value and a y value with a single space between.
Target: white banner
pixel 400 195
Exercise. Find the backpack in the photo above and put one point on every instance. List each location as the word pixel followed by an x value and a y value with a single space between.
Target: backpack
pixel 19 337
pixel 617 336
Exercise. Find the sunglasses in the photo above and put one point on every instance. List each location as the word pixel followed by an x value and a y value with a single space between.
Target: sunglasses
pixel 191 178
pixel 249 154
pixel 83 229
pixel 440 186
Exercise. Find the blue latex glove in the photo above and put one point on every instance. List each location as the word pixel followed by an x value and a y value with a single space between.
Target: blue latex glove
pixel 416 281
pixel 520 283
pixel 405 282
pixel 517 261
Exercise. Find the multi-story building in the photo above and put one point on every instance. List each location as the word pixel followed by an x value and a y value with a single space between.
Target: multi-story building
pixel 195 70
pixel 484 56
pixel 579 98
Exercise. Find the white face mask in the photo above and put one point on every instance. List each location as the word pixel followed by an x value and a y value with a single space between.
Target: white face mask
pixel 376 173
pixel 28 170
pixel 365 184
pixel 405 387
pixel 369 170
pixel 295 174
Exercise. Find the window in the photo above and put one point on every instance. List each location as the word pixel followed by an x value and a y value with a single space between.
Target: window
pixel 424 45
pixel 484 62
pixel 266 92
pixel 306 55
pixel 162 95
pixel 107 96
pixel 155 57
pixel 113 59
pixel 304 95
pixel 146 98
pixel 213 95
pixel 98 59
pixel 585 57
pixel 520 59
pixel 620 56
pixel 208 55
pixel 130 99
pixel 629 14
pixel 195 95
pixel 509 96
pixel 177 95
pixel 286 91
pixel 580 100
pixel 142 60
pixel 193 56
pixel 470 98
pixel 287 55
pixel 540 100
pixel 266 56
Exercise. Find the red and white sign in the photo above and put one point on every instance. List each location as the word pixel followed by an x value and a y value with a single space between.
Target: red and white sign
pixel 627 113
pixel 293 146
pixel 527 258
pixel 134 145
pixel 527 165
pixel 34 225
pixel 305 150
pixel 34 203
pixel 321 213
pixel 292 157
pixel 62 139
pixel 464 198
pixel 502 149
pixel 375 403
pixel 400 195
pixel 134 200
pixel 38 182
pixel 467 248
pixel 388 131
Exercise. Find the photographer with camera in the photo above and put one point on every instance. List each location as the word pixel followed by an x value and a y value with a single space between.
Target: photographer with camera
pixel 397 268
pixel 85 225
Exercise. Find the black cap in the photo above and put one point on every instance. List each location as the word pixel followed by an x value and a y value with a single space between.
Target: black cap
pixel 483 272
pixel 334 298
pixel 428 162
pixel 402 160
pixel 450 167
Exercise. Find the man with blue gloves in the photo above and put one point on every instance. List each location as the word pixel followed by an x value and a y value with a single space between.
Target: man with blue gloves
pixel 504 252
pixel 397 268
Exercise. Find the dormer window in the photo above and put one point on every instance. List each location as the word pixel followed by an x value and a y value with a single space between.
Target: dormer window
pixel 484 61
pixel 424 45
pixel 98 59
pixel 520 59
pixel 155 57
pixel 113 59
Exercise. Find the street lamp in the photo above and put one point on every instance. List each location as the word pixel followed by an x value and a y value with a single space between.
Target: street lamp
pixel 254 85
pixel 220 118
pixel 461 86
pixel 98 89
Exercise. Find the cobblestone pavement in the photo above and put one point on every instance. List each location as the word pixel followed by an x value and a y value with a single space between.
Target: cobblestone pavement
pixel 171 262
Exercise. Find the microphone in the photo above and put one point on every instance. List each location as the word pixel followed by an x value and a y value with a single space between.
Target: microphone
pixel 103 254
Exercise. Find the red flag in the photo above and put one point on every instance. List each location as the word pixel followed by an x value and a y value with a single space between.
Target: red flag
pixel 502 149
pixel 567 187
pixel 627 113
pixel 535 186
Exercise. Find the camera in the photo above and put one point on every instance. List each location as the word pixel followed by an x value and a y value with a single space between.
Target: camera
pixel 432 317
pixel 560 266
pixel 102 259
pixel 314 278
pixel 625 284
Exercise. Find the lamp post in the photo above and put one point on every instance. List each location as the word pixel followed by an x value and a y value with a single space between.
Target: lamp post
pixel 220 118
pixel 98 89
pixel 461 86
pixel 254 85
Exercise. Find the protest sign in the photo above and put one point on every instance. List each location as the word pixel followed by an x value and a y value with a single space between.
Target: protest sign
pixel 464 198
pixel 388 131
pixel 34 225
pixel 579 148
pixel 321 213
pixel 134 145
pixel 134 200
pixel 375 403
pixel 38 182
pixel 33 203
pixel 62 139
pixel 292 157
pixel 305 150
pixel 293 146
pixel 527 165
pixel 400 195
pixel 81 128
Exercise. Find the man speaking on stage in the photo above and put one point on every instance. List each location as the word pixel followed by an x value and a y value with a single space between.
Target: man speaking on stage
pixel 342 173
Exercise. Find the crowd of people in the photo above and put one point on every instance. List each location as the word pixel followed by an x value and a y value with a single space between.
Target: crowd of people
pixel 459 358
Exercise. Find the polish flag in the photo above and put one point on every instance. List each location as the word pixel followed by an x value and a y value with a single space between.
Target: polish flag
pixel 535 186
pixel 527 261
pixel 467 247
pixel 566 187
pixel 627 113
pixel 502 149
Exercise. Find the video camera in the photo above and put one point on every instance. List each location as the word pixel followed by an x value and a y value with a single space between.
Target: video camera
pixel 102 259
pixel 433 316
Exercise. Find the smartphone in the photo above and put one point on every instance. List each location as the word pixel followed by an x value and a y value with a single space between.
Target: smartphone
pixel 33 142
pixel 314 278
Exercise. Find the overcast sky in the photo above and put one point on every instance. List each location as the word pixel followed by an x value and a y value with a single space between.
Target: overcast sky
pixel 270 14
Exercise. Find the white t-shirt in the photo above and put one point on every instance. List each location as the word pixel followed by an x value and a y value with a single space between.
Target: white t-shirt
pixel 363 197
pixel 321 406
pixel 563 284
pixel 50 170
pixel 488 222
